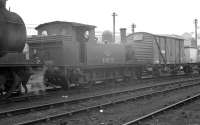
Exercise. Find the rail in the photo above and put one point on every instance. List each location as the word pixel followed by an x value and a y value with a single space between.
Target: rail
pixel 52 117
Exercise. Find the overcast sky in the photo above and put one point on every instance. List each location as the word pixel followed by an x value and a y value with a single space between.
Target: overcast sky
pixel 154 16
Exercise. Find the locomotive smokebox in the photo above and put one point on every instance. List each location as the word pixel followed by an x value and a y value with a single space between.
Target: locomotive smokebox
pixel 123 35
pixel 12 31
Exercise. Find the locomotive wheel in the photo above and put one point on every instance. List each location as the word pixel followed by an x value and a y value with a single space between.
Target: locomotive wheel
pixel 2 84
pixel 156 72
pixel 174 72
pixel 5 87
pixel 187 69
pixel 199 69
pixel 138 73
pixel 12 82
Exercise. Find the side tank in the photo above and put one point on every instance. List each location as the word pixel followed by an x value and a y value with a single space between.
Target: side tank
pixel 12 31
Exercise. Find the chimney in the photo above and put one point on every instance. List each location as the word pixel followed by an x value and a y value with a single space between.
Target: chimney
pixel 123 35
pixel 3 3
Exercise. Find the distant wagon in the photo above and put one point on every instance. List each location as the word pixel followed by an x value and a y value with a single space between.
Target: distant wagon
pixel 161 52
pixel 156 49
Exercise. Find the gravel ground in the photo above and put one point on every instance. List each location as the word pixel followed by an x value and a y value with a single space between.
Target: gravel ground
pixel 120 113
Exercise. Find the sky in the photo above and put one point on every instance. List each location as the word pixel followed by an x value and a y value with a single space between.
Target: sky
pixel 153 16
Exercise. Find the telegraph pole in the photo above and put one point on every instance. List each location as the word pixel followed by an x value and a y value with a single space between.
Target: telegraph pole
pixel 196 21
pixel 133 27
pixel 114 15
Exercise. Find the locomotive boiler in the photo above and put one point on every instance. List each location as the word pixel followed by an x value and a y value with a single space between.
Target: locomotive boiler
pixel 12 41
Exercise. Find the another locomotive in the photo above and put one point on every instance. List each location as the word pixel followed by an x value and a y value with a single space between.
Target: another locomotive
pixel 12 32
pixel 12 42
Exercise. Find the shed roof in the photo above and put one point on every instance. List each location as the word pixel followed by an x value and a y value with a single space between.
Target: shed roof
pixel 74 24
pixel 172 36
pixel 160 35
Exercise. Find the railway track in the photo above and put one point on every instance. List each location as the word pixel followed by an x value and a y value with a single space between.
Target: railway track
pixel 50 92
pixel 177 82
pixel 56 96
pixel 152 90
pixel 176 105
